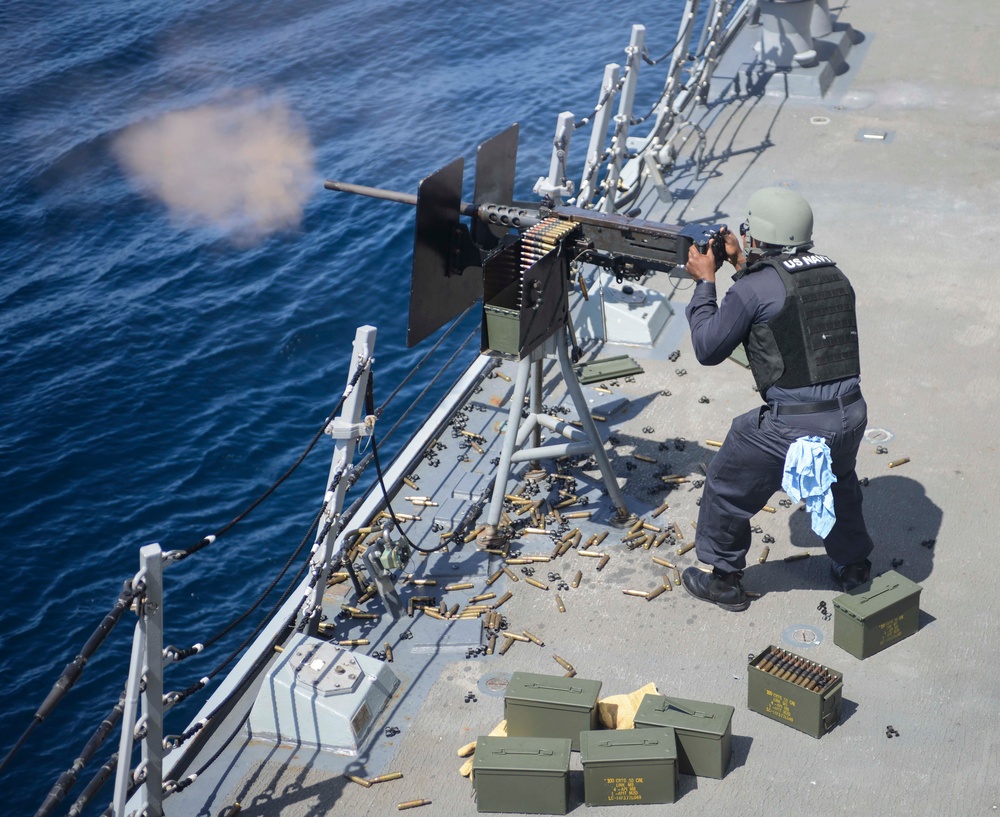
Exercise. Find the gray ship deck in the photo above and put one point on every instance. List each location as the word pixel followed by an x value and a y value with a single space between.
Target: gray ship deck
pixel 911 218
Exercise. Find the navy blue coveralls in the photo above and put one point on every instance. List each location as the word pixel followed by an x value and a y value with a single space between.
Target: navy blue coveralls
pixel 748 468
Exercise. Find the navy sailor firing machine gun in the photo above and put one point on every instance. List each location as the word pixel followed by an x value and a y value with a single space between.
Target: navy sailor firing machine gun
pixel 518 259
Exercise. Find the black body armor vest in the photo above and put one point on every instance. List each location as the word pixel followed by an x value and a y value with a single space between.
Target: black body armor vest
pixel 814 338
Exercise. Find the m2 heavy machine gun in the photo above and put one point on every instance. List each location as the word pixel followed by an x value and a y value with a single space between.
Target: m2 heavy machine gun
pixel 519 261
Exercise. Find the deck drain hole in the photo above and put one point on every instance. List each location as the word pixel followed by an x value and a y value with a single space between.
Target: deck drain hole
pixel 494 684
pixel 820 120
pixel 802 636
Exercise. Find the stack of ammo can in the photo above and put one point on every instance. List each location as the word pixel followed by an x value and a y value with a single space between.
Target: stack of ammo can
pixel 550 716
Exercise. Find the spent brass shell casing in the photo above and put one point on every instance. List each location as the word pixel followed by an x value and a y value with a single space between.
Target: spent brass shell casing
pixel 353 642
pixel 682 550
pixel 769 509
pixel 660 539
pixel 562 662
pixel 540 558
pixel 652 594
pixel 359 780
pixel 565 503
pixel 503 599
pixel 578 515
pixel 602 419
pixel 503 376
pixel 424 582
pixel 388 652
pixel 417 803
pixel 515 636
pixel 538 584
pixel 677 577
pixel 570 674
pixel 636 527
pixel 651 527
pixel 796 557
pixel 659 510
pixel 560 604
pixel 565 547
pixel 491 645
pixel 897 463
pixel 604 560
pixel 482 597
pixel 713 443
pixel 417 498
pixel 644 458
pixel 453 609
pixel 494 577
pixel 663 562
pixel 677 530
pixel 411 483
pixel 590 554
pixel 541 531
pixel 600 537
pixel 642 594
pixel 518 561
pixel 231 811
pixel 430 611
pixel 576 579
pixel 385 778
pixel 507 642
pixel 764 554
pixel 534 639
pixel 510 574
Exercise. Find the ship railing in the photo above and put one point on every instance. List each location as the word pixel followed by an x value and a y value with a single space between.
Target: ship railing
pixel 673 110
pixel 142 704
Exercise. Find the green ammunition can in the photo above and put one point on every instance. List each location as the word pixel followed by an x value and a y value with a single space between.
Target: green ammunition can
pixel 814 712
pixel 550 706
pixel 876 615
pixel 522 775
pixel 629 766
pixel 502 326
pixel 704 731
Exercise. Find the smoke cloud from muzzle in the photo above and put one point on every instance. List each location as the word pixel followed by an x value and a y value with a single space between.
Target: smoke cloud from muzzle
pixel 243 165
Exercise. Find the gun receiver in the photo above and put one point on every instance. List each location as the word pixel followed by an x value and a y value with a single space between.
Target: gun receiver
pixel 449 257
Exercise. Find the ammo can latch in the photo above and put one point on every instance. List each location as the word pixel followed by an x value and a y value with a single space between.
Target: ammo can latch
pixel 536 752
pixel 610 744
pixel 694 713
pixel 870 596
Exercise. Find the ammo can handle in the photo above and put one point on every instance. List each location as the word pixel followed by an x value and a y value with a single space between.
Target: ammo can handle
pixel 870 596
pixel 522 751
pixel 605 744
pixel 575 690
pixel 692 712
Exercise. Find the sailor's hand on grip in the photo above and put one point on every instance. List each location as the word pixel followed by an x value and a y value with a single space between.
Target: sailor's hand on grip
pixel 702 266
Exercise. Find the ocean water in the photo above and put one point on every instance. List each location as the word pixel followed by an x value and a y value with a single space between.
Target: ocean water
pixel 179 295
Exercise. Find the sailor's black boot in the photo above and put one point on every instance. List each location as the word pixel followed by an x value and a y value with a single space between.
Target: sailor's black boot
pixel 847 577
pixel 723 589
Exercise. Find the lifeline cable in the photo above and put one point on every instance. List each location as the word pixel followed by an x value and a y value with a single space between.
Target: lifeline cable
pixel 208 540
pixel 74 669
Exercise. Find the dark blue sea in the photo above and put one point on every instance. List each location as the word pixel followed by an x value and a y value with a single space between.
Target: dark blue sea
pixel 179 294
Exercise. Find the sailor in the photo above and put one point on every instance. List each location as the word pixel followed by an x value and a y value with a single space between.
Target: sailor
pixel 804 359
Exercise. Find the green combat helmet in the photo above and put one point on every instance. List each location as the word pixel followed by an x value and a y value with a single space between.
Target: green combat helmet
pixel 781 218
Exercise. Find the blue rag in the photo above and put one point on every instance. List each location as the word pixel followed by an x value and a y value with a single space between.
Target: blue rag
pixel 808 476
